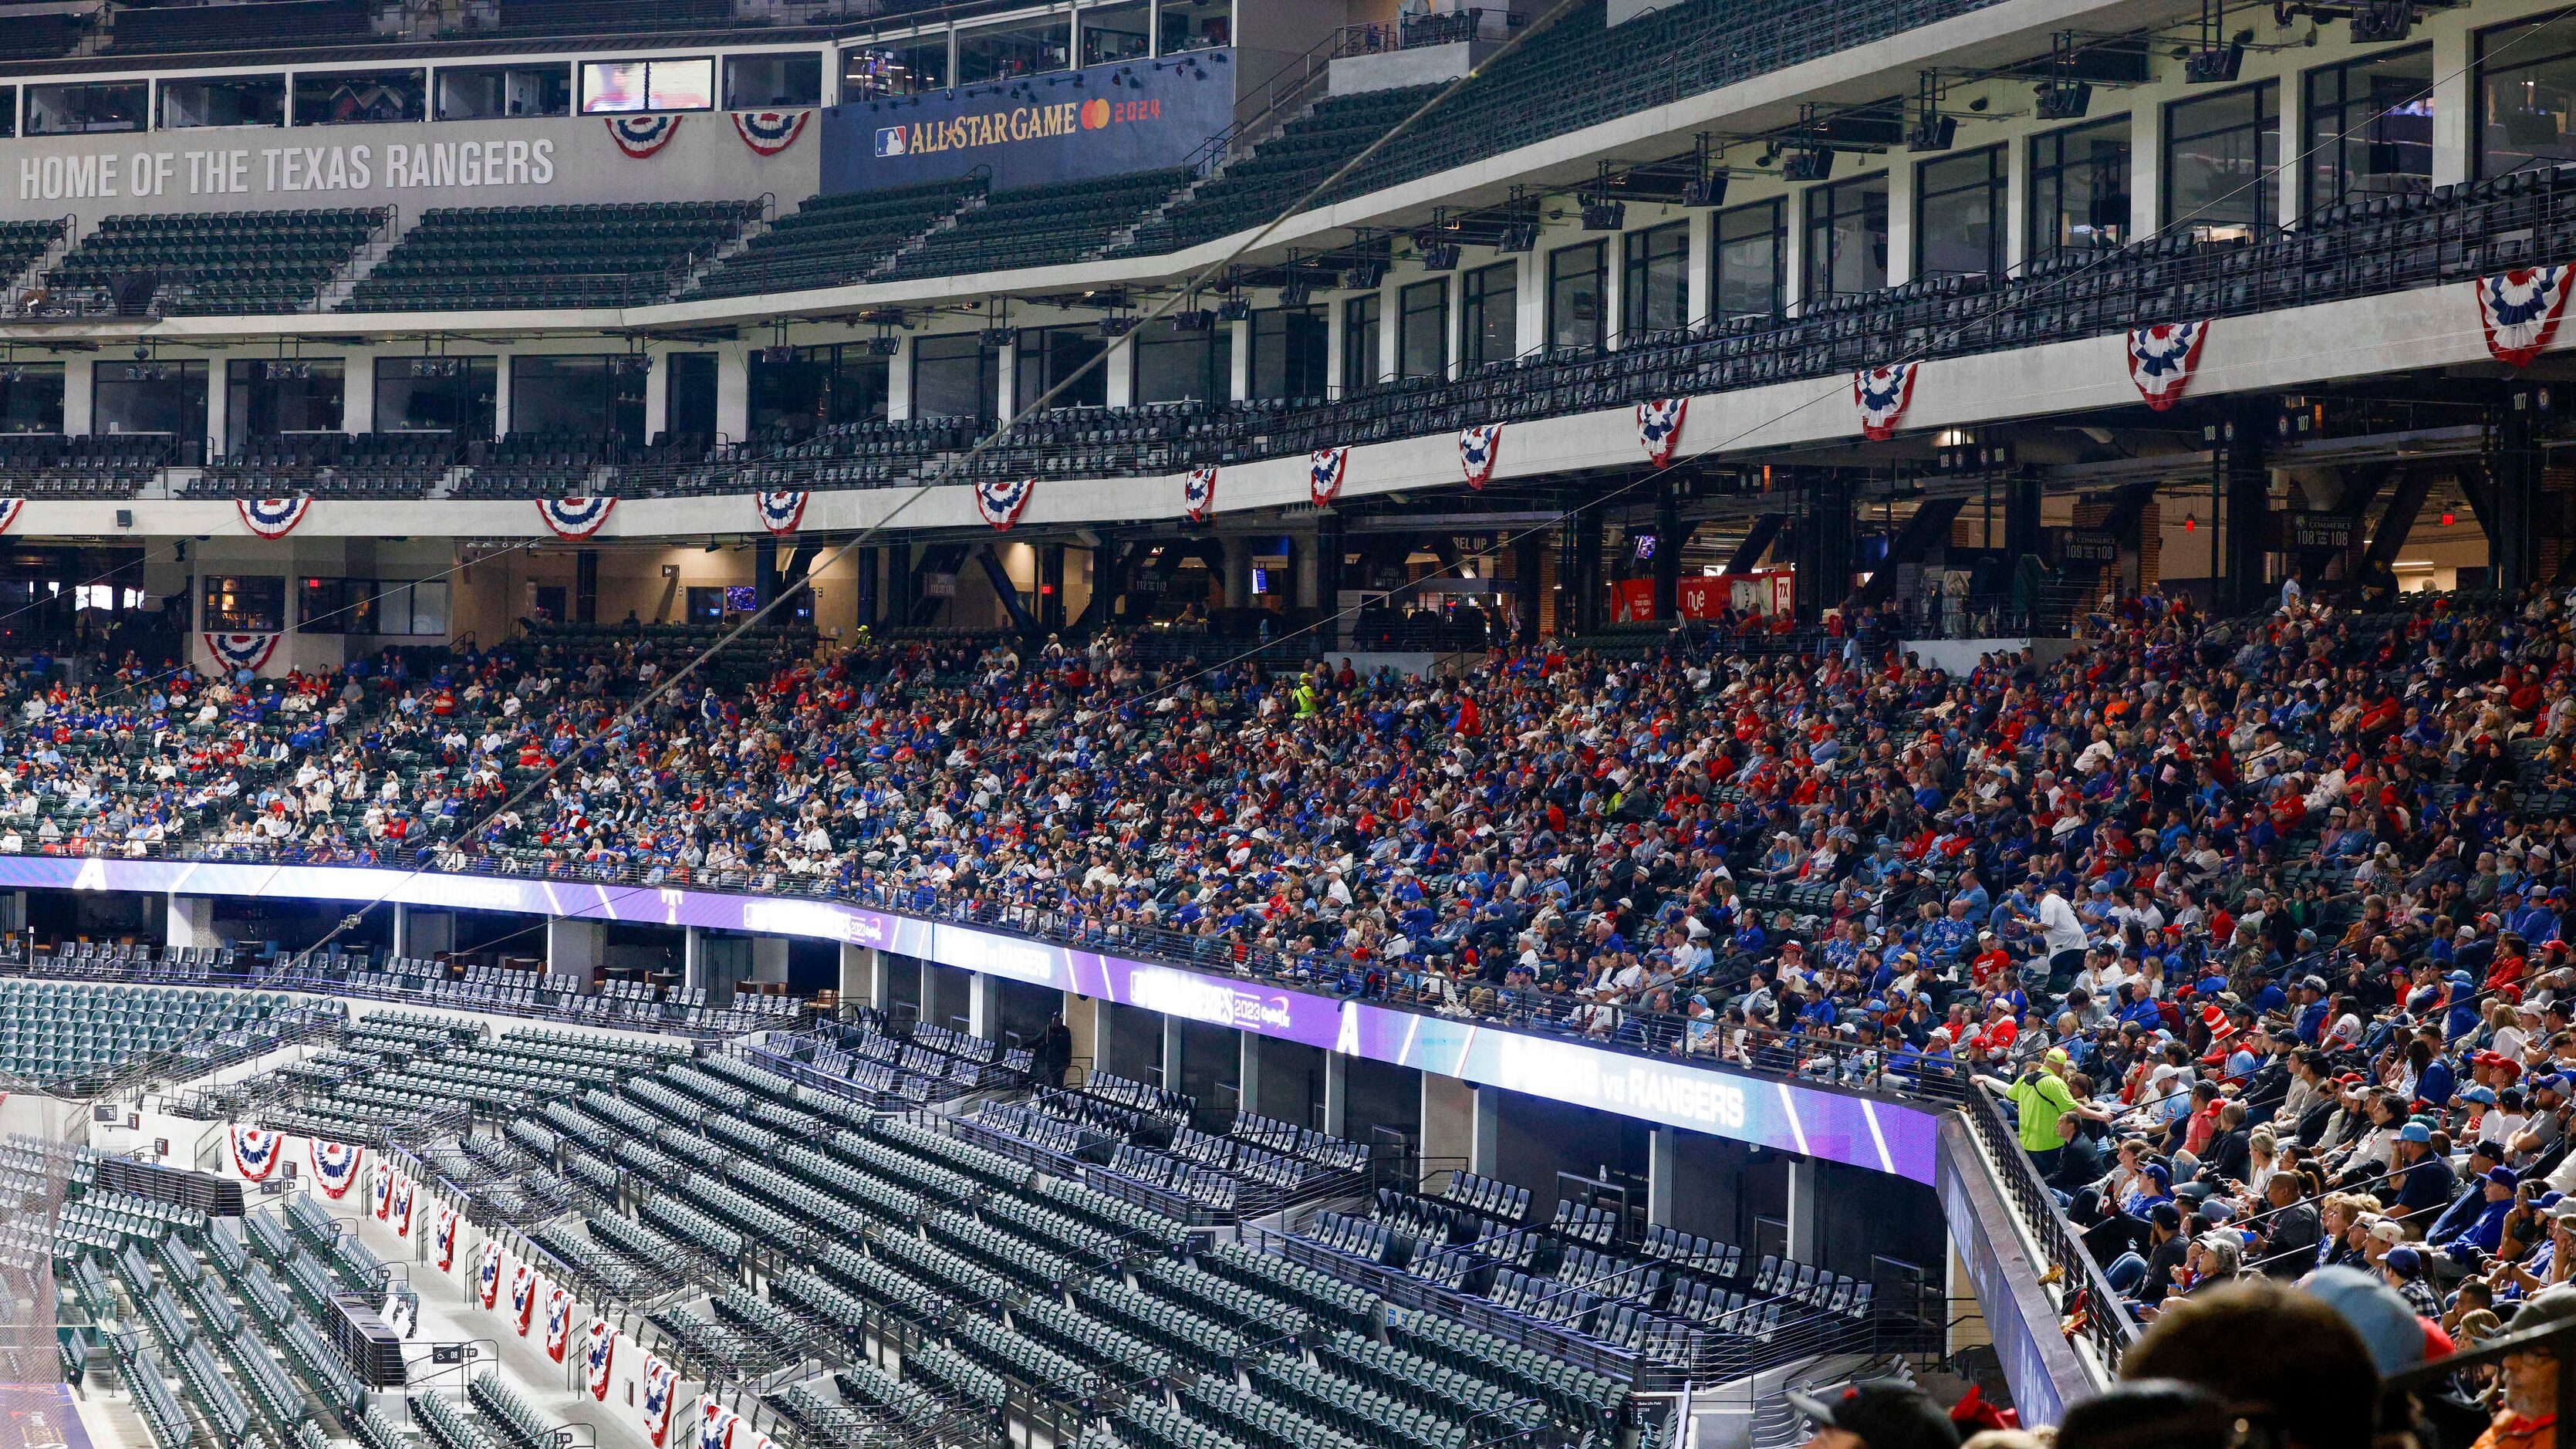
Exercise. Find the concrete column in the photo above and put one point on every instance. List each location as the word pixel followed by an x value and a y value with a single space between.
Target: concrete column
pixel 1248 1073
pixel 1703 265
pixel 1793 252
pixel 218 426
pixel 401 929
pixel 1802 1209
pixel 769 959
pixel 576 948
pixel 501 397
pixel 1904 180
pixel 1305 560
pixel 2454 97
pixel 1448 1122
pixel 1485 1157
pixel 2016 204
pixel 984 1007
pixel 1337 330
pixel 862 977
pixel 1390 323
pixel 191 921
pixel 1084 1018
pixel 1337 1093
pixel 1529 303
pixel 899 381
pixel 693 959
pixel 1238 570
pixel 1614 290
pixel 1120 365
pixel 77 396
pixel 1663 1150
pixel 733 393
pixel 1238 383
pixel 1171 1053
pixel 358 394
pixel 428 933
pixel 2147 166
pixel 657 392
pixel 1007 367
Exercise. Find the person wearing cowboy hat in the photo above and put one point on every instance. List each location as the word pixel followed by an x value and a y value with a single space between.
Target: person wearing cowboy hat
pixel 1876 1414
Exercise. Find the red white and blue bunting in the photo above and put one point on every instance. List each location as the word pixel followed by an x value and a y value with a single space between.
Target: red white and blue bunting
pixel 641 136
pixel 660 1380
pixel 9 510
pixel 272 517
pixel 523 1296
pixel 2520 310
pixel 598 1350
pixel 236 652
pixel 1198 493
pixel 770 132
pixel 716 1424
pixel 402 1312
pixel 487 1272
pixel 1001 504
pixel 558 1322
pixel 404 1189
pixel 574 519
pixel 2162 358
pixel 1881 394
pixel 1478 448
pixel 254 1152
pixel 335 1167
pixel 1326 470
pixel 443 1238
pixel 780 513
pixel 1659 427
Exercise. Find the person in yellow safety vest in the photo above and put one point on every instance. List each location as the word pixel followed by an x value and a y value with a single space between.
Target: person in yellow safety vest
pixel 1305 699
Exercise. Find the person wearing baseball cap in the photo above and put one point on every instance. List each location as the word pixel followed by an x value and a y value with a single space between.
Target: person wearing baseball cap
pixel 1876 1414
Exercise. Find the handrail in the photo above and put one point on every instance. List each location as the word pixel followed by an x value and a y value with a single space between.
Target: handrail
pixel 2090 1305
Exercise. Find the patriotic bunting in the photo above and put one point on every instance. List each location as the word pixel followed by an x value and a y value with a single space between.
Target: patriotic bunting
pixel 558 1321
pixel 1002 503
pixel 641 136
pixel 487 1272
pixel 443 1238
pixel 2520 309
pixel 254 1152
pixel 1326 470
pixel 780 512
pixel 241 651
pixel 403 1189
pixel 1659 427
pixel 716 1424
pixel 2161 359
pixel 335 1167
pixel 272 517
pixel 598 1348
pixel 1477 450
pixel 380 1189
pixel 1881 394
pixel 523 1296
pixel 9 508
pixel 770 132
pixel 660 1379
pixel 574 519
pixel 402 1312
pixel 1198 493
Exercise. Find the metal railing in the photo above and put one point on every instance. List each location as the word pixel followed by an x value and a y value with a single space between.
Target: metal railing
pixel 2087 1302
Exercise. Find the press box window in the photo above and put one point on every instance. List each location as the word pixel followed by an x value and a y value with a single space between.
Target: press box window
pixel 1004 52
pixel 895 68
pixel 499 92
pixel 609 87
pixel 8 111
pixel 87 109
pixel 335 606
pixel 240 100
pixel 361 98
pixel 765 82
pixel 235 604
pixel 412 608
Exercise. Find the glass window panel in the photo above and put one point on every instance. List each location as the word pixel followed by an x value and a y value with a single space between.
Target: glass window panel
pixel 1177 366
pixel 2079 187
pixel 895 67
pixel 267 398
pixel 1654 292
pixel 497 92
pixel 954 376
pixel 245 100
pixel 2370 128
pixel 1289 349
pixel 87 109
pixel 1575 315
pixel 1751 260
pixel 2219 155
pixel 761 82
pixel 1051 355
pixel 1847 237
pixel 1004 52
pixel 239 604
pixel 436 395
pixel 1422 335
pixel 1491 322
pixel 577 397
pixel 1196 24
pixel 1117 32
pixel 357 98
pixel 1959 215
pixel 2526 79
pixel 168 398
pixel 612 85
pixel 1361 319
pixel 680 85
pixel 31 397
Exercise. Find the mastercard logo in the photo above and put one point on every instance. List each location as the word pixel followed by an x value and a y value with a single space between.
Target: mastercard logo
pixel 1095 114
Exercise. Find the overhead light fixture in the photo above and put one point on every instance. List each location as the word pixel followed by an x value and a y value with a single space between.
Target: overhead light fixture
pixel 1234 309
pixel 1193 319
pixel 1297 293
pixel 1705 191
pixel 1807 163
pixel 1368 275
pixel 2064 100
pixel 1518 236
pixel 1600 213
pixel 2219 66
pixel 1932 133
pixel 1439 256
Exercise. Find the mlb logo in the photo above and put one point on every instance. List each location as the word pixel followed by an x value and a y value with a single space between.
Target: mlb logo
pixel 890 141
